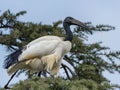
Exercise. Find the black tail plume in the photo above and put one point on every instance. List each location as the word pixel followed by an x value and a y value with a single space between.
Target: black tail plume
pixel 12 58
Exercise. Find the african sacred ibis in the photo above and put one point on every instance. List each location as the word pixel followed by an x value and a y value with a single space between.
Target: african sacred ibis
pixel 44 53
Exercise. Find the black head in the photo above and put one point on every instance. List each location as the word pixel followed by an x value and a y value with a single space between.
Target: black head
pixel 72 21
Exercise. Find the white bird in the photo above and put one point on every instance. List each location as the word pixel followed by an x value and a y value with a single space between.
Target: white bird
pixel 44 53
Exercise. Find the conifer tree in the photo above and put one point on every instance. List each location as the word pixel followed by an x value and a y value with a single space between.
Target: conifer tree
pixel 87 61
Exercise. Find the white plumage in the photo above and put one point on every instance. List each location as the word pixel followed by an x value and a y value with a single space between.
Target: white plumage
pixel 43 53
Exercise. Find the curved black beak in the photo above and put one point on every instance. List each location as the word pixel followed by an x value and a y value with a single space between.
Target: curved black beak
pixel 79 23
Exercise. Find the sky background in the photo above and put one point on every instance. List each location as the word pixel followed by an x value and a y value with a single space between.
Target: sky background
pixel 49 11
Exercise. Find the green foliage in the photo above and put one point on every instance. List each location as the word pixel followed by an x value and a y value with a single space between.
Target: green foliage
pixel 55 84
pixel 2 89
pixel 89 61
pixel 36 83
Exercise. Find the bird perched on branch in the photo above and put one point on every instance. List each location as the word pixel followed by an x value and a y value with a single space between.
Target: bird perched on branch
pixel 44 53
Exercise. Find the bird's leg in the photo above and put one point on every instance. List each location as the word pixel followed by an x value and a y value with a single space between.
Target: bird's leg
pixel 45 73
pixel 39 74
pixel 6 86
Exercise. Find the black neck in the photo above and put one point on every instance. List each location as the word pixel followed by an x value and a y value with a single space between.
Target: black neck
pixel 69 34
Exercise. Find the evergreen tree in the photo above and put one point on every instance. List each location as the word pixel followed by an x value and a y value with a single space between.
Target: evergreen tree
pixel 87 61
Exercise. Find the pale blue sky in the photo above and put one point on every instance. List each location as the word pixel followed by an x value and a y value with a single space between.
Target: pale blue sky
pixel 48 11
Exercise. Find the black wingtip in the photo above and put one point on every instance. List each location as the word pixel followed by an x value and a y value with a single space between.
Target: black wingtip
pixel 12 58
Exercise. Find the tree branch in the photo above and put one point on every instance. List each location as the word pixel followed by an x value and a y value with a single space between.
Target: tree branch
pixel 64 67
